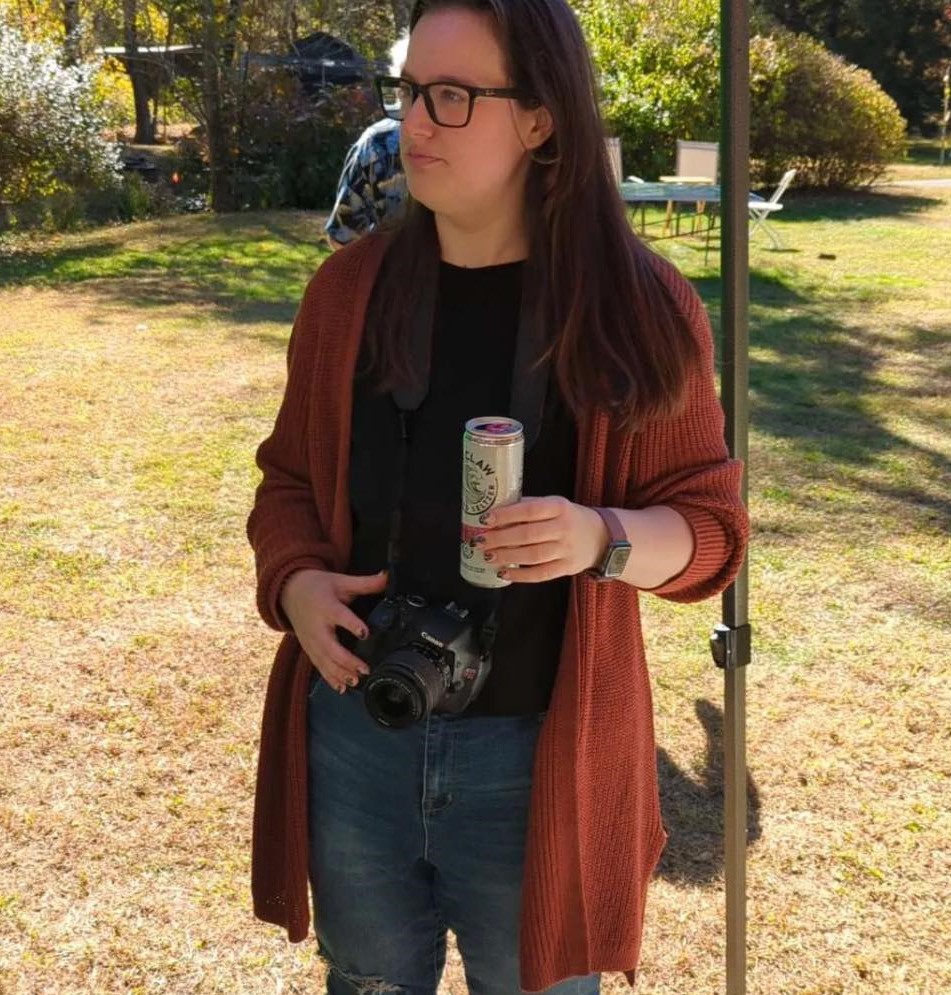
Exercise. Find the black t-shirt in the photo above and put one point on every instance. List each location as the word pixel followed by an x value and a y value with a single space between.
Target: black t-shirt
pixel 473 354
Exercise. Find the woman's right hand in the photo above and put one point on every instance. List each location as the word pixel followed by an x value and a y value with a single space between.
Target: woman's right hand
pixel 315 602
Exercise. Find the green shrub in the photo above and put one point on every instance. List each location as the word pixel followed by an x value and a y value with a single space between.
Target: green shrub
pixel 129 198
pixel 138 199
pixel 815 112
pixel 659 64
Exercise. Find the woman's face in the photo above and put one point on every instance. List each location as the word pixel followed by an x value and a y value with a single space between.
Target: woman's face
pixel 466 174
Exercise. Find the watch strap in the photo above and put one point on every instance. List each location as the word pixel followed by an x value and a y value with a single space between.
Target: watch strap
pixel 615 528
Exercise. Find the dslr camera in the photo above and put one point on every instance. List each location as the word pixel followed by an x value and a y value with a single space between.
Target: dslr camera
pixel 423 658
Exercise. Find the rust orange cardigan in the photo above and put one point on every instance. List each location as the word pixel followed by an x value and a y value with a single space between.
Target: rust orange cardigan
pixel 595 832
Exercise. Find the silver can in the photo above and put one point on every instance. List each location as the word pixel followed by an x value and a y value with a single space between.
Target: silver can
pixel 493 452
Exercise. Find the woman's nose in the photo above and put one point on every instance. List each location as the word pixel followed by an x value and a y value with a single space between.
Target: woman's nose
pixel 417 120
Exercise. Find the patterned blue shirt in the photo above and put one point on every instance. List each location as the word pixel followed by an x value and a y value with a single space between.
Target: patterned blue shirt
pixel 372 185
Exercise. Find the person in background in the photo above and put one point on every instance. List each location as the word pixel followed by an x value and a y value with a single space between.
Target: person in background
pixel 372 185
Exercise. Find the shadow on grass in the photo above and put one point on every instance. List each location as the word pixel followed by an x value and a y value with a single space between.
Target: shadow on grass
pixel 275 299
pixel 813 382
pixel 925 151
pixel 799 208
pixel 254 269
pixel 692 810
pixel 855 206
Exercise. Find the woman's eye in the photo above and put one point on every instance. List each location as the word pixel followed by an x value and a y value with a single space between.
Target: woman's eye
pixel 448 95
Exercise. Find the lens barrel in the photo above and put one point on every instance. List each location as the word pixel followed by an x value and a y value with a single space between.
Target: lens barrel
pixel 404 689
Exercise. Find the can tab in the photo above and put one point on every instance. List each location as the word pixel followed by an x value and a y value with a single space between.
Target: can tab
pixel 731 646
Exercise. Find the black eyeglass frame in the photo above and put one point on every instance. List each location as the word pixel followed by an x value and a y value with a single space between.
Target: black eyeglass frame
pixel 503 93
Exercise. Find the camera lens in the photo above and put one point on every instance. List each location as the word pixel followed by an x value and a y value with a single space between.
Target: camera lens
pixel 393 704
pixel 403 689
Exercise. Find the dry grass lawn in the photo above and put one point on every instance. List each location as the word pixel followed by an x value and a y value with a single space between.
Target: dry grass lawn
pixel 140 367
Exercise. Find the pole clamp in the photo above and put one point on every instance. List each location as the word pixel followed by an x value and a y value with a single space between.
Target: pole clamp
pixel 731 646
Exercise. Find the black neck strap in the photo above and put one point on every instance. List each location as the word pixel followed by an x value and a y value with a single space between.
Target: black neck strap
pixel 530 372
pixel 396 515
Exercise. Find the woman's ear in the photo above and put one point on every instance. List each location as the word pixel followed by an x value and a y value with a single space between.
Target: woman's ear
pixel 541 128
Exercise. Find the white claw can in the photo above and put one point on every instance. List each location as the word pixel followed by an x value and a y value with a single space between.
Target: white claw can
pixel 493 453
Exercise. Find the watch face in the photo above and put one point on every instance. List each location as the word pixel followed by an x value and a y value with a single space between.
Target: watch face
pixel 617 559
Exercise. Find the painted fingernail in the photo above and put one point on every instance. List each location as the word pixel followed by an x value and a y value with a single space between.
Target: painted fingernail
pixel 342 689
pixel 364 670
pixel 489 557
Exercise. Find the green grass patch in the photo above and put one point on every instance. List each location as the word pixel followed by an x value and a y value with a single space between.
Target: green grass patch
pixel 247 258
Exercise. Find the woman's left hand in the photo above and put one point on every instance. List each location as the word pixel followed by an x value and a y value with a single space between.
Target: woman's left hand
pixel 547 537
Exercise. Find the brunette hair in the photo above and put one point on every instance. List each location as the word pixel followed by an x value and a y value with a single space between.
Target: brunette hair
pixel 615 336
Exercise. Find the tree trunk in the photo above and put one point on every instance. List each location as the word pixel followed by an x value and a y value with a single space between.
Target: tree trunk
pixel 220 165
pixel 229 38
pixel 138 74
pixel 290 23
pixel 71 29
pixel 144 118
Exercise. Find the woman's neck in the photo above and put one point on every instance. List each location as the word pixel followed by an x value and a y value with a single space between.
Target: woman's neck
pixel 488 242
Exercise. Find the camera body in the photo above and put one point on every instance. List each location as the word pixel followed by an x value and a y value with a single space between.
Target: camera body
pixel 423 658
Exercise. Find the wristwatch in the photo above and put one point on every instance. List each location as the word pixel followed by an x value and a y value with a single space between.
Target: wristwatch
pixel 619 549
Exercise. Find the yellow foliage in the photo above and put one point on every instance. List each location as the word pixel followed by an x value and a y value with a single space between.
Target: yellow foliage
pixel 113 86
pixel 39 21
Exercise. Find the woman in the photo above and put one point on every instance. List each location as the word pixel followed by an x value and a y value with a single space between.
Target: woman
pixel 529 823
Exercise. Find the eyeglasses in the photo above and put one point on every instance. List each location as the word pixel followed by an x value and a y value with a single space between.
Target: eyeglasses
pixel 449 104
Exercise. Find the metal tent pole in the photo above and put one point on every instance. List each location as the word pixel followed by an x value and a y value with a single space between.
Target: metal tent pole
pixel 945 113
pixel 731 638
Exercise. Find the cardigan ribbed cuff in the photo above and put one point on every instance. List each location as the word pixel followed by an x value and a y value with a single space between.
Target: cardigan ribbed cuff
pixel 711 544
pixel 269 602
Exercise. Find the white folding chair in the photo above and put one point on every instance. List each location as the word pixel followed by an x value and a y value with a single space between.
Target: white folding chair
pixel 761 209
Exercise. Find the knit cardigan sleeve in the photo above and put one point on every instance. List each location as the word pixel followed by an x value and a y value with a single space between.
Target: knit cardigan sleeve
pixel 683 462
pixel 284 528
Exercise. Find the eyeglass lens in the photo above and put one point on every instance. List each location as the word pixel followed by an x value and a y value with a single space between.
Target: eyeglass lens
pixel 448 104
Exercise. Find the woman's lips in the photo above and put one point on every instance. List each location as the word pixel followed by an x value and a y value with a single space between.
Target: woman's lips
pixel 421 159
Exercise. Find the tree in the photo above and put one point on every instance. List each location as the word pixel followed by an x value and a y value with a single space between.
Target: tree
pixel 51 122
pixel 221 98
pixel 658 62
pixel 903 43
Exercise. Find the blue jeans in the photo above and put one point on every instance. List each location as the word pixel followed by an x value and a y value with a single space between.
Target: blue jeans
pixel 414 831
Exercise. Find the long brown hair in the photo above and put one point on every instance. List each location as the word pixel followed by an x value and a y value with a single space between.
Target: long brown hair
pixel 616 338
